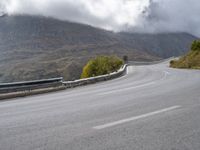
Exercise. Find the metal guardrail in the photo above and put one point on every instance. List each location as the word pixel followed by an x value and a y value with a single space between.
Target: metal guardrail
pixel 27 83
pixel 137 63
pixel 30 85
pixel 16 89
pixel 120 72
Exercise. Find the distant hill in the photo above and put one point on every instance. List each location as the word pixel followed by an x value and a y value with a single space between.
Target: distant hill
pixel 163 45
pixel 33 47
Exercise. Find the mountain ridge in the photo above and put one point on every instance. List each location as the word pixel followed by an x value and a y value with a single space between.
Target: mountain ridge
pixel 35 47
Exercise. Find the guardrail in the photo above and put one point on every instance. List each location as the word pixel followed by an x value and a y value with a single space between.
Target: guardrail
pixel 30 85
pixel 137 63
pixel 19 89
pixel 10 90
pixel 120 72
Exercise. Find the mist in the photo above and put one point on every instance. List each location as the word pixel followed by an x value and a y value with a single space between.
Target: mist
pixel 147 16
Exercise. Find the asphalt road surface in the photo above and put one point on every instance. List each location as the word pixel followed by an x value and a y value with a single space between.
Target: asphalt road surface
pixel 153 107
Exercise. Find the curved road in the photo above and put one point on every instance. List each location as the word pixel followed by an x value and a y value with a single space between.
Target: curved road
pixel 153 107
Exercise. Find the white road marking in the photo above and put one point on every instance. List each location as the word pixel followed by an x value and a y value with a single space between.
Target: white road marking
pixel 128 88
pixel 137 86
pixel 166 72
pixel 111 124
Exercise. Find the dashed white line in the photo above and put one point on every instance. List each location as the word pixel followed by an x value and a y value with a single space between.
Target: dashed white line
pixel 111 124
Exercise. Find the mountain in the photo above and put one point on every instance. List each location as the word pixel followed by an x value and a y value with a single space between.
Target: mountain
pixel 34 47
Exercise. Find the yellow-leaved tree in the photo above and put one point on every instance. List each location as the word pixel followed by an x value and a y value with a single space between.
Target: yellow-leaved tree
pixel 101 65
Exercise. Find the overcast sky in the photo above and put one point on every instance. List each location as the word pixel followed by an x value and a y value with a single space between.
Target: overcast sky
pixel 118 15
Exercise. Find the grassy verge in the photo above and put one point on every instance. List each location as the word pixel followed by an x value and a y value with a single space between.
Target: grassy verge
pixel 191 60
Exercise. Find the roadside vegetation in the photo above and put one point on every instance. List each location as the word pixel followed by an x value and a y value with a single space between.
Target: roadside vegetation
pixel 191 60
pixel 101 65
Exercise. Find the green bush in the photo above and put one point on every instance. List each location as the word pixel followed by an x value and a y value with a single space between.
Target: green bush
pixel 101 65
pixel 195 45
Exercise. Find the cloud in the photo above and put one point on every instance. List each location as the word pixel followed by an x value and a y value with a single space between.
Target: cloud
pixel 171 16
pixel 118 15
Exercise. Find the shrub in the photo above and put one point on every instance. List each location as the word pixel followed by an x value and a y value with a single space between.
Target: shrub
pixel 101 65
pixel 191 60
pixel 195 45
pixel 172 62
pixel 125 58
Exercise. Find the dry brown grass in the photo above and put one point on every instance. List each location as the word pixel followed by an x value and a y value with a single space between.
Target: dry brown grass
pixel 190 61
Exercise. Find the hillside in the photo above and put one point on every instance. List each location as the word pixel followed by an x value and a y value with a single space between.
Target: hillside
pixel 191 60
pixel 33 47
pixel 163 45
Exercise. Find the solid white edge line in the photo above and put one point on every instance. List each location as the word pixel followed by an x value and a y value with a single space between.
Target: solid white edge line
pixel 111 124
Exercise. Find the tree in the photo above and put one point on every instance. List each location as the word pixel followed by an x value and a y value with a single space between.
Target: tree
pixel 101 65
pixel 125 58
pixel 195 45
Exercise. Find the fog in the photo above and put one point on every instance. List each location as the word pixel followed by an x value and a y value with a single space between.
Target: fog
pixel 148 16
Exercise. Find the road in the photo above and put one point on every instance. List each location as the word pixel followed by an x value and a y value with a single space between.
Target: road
pixel 153 107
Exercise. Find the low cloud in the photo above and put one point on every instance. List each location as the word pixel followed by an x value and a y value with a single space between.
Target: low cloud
pixel 119 15
pixel 171 16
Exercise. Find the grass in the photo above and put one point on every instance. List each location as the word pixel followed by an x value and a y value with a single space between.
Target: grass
pixel 190 61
